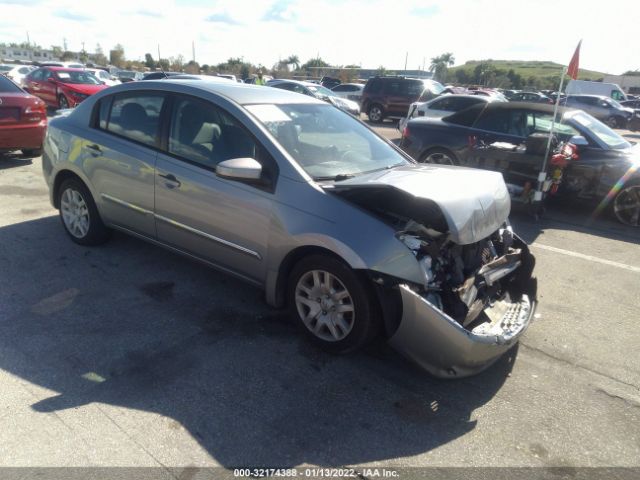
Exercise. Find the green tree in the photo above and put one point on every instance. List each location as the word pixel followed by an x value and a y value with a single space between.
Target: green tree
pixel 315 63
pixel 440 65
pixel 149 61
pixel 292 60
pixel 99 57
pixel 57 51
pixel 192 67
pixel 177 63
pixel 116 56
pixel 381 71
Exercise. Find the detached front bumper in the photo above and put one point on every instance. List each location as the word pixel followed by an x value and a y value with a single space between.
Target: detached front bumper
pixel 444 348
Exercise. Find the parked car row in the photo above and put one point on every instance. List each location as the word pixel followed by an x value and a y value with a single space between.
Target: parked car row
pixel 501 136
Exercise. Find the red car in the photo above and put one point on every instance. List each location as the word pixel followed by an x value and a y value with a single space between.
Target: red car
pixel 62 87
pixel 23 119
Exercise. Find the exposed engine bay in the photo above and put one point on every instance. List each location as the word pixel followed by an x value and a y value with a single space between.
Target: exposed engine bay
pixel 463 280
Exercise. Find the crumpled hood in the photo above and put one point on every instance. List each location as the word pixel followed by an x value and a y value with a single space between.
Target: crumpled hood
pixel 474 203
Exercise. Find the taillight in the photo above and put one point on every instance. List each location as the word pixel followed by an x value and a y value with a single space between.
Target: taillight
pixel 35 113
pixel 405 132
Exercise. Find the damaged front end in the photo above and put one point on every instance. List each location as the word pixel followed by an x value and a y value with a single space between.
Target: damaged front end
pixel 476 294
pixel 475 303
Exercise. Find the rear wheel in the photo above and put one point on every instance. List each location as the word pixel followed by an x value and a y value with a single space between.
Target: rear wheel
pixel 626 205
pixel 63 102
pixel 439 156
pixel 376 113
pixel 32 152
pixel 332 303
pixel 79 214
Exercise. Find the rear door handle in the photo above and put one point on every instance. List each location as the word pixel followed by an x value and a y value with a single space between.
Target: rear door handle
pixel 170 180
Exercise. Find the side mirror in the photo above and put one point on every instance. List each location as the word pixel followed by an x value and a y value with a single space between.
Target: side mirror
pixel 51 79
pixel 242 169
pixel 579 141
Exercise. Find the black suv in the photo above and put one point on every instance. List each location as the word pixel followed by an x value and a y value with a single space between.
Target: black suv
pixel 391 96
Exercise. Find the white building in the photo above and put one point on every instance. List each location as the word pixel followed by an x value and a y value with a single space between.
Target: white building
pixel 628 83
pixel 21 54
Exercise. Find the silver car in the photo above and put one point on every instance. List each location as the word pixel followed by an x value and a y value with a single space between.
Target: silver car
pixel 291 194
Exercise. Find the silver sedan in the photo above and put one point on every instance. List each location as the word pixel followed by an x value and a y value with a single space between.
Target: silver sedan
pixel 293 195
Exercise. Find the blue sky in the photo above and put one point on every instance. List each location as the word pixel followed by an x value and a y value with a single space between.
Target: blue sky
pixel 366 32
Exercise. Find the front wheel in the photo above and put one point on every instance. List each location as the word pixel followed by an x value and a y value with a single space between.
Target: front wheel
pixel 79 214
pixel 63 102
pixel 613 122
pixel 332 303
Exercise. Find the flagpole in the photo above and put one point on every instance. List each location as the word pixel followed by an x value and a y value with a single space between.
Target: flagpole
pixel 543 172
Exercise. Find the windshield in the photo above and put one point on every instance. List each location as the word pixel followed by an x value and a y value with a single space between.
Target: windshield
pixel 615 103
pixel 126 74
pixel 600 131
pixel 326 142
pixel 320 90
pixel 77 77
pixel 5 68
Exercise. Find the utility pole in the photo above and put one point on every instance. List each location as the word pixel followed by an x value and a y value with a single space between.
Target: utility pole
pixel 28 41
pixel 64 43
pixel 406 58
pixel 193 50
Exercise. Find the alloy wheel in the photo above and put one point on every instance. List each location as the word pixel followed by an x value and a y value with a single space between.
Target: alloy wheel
pixel 375 114
pixel 75 213
pixel 627 206
pixel 439 158
pixel 325 305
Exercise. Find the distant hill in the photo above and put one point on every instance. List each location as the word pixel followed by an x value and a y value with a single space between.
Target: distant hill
pixel 535 73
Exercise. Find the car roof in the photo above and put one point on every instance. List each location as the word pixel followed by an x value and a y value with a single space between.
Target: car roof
pixel 64 69
pixel 278 81
pixel 241 93
pixel 587 95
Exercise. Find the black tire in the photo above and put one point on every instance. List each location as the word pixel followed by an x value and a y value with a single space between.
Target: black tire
pixel 375 112
pixel 613 122
pixel 439 156
pixel 96 233
pixel 364 318
pixel 626 204
pixel 62 101
pixel 32 152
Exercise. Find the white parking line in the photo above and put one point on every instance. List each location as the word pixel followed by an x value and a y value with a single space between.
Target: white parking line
pixel 589 258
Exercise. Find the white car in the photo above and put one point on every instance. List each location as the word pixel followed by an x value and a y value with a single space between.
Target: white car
pixel 18 72
pixel 444 105
pixel 104 76
pixel 350 91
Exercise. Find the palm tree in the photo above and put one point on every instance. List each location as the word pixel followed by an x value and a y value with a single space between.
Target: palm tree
pixel 293 60
pixel 440 65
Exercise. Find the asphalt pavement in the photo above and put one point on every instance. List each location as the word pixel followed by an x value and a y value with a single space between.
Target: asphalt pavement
pixel 129 355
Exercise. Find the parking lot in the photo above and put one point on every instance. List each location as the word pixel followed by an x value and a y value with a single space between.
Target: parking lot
pixel 129 355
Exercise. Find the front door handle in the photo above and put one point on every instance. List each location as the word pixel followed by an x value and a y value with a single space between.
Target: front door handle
pixel 95 149
pixel 170 180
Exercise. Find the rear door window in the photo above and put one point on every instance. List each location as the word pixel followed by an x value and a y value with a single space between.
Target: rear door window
pixel 412 88
pixel 136 117
pixel 497 121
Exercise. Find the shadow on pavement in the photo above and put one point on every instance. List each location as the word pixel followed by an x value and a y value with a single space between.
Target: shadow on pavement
pixel 14 159
pixel 132 325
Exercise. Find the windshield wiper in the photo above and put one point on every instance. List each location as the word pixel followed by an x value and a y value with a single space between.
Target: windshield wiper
pixel 336 178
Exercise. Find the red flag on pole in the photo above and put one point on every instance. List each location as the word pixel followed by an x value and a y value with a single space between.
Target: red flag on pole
pixel 572 70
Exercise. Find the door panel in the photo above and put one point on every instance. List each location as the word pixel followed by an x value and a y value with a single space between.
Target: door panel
pixel 219 220
pixel 122 174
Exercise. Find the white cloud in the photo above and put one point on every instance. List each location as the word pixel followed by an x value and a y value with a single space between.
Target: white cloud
pixel 370 33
